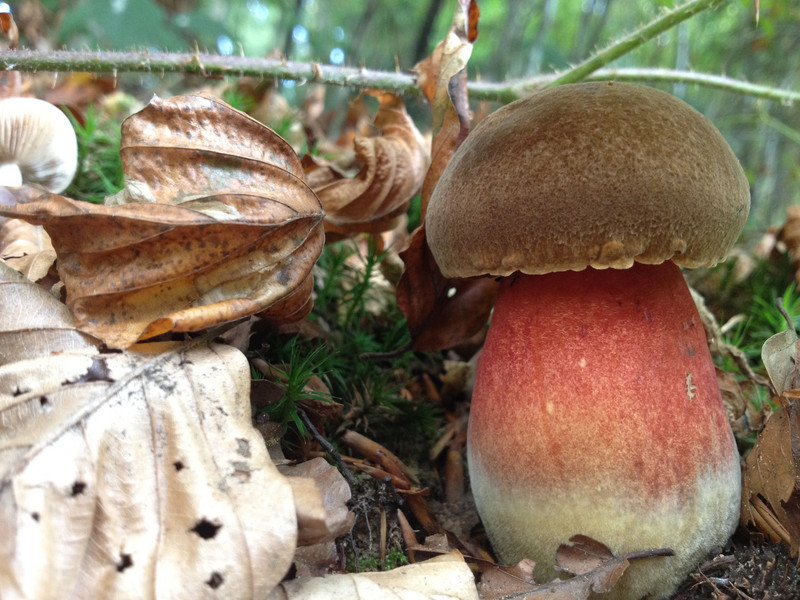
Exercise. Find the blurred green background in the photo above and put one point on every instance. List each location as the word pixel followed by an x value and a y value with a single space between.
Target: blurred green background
pixel 517 38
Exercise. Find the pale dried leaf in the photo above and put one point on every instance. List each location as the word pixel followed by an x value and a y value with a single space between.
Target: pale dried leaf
pixel 33 322
pixel 132 476
pixel 320 495
pixel 26 248
pixel 445 577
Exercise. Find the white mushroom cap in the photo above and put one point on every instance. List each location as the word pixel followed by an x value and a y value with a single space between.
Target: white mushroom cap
pixel 37 144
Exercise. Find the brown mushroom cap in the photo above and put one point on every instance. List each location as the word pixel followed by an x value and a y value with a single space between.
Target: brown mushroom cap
pixel 592 174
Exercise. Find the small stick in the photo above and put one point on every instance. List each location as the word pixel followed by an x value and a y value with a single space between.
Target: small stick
pixel 328 448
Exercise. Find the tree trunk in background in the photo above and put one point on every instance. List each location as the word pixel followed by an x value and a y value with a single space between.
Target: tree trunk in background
pixel 289 21
pixel 421 47
pixel 507 61
pixel 359 32
pixel 540 40
pixel 591 26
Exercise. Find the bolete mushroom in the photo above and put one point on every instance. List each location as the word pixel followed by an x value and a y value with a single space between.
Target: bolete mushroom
pixel 37 144
pixel 596 408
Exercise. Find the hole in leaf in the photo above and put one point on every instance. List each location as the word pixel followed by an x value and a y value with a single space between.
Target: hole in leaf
pixel 35 516
pixel 77 488
pixel 179 466
pixel 243 447
pixel 215 580
pixel 206 529
pixel 45 403
pixel 125 561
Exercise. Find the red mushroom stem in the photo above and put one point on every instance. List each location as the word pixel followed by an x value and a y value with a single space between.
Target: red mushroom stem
pixel 597 411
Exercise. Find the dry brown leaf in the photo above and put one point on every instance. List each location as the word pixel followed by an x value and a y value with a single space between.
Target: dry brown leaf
pixel 442 312
pixel 129 475
pixel 790 235
pixel 770 488
pixel 445 577
pixel 392 171
pixel 442 77
pixel 770 492
pixel 231 228
pixel 321 495
pixel 33 322
pixel 189 147
pixel 594 570
pixel 498 581
pixel 26 248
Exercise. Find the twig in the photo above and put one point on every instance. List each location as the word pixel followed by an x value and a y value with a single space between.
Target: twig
pixel 513 90
pixel 238 66
pixel 328 447
pixel 634 40
pixel 206 65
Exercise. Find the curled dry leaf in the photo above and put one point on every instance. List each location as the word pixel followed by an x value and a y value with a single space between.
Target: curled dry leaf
pixel 441 312
pixel 32 322
pixel 445 577
pixel 231 229
pixel 770 492
pixel 392 171
pixel 132 476
pixel 442 77
pixel 26 248
pixel 770 489
pixel 321 495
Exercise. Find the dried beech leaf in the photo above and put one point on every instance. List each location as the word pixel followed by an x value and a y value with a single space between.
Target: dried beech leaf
pixel 445 577
pixel 584 555
pixel 442 77
pixel 126 475
pixel 770 490
pixel 779 355
pixel 790 235
pixel 33 322
pixel 441 312
pixel 498 581
pixel 26 248
pixel 320 495
pixel 393 168
pixel 139 270
pixel 189 147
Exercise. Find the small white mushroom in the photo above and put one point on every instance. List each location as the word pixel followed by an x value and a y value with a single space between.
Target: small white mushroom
pixel 37 144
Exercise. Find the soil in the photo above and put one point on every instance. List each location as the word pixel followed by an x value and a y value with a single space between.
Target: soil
pixel 746 569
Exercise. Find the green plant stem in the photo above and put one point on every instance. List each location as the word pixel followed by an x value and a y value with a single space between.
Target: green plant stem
pixel 634 40
pixel 513 90
pixel 210 65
